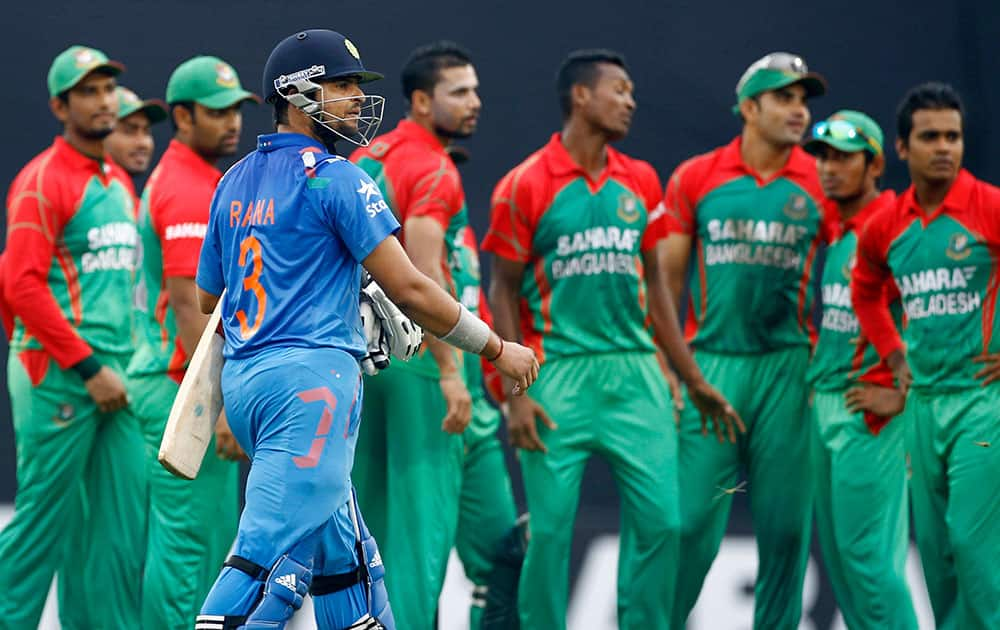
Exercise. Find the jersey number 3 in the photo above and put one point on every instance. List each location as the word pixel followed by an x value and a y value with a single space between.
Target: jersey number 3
pixel 250 245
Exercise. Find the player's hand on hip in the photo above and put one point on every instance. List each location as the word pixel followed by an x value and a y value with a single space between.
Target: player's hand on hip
pixel 881 401
pixel 107 390
pixel 522 423
pixel 519 364
pixel 458 402
pixel 713 406
pixel 901 370
pixel 991 368
pixel 226 446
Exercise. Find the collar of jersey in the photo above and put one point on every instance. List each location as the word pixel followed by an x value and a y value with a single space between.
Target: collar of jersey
pixel 885 199
pixel 561 162
pixel 69 156
pixel 184 154
pixel 273 141
pixel 957 198
pixel 799 162
pixel 412 131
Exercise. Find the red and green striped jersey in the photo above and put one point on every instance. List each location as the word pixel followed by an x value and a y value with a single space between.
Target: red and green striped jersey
pixel 418 179
pixel 173 217
pixel 843 356
pixel 945 265
pixel 755 245
pixel 70 255
pixel 581 240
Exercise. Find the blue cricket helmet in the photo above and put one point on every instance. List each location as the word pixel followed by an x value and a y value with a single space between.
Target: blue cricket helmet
pixel 313 54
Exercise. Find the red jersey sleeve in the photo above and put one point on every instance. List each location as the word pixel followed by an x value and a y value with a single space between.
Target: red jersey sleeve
pixel 679 202
pixel 868 284
pixel 35 222
pixel 649 190
pixel 436 194
pixel 513 216
pixel 180 222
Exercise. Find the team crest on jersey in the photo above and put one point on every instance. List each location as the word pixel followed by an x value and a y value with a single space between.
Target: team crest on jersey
pixel 628 209
pixel 64 415
pixel 797 208
pixel 958 246
pixel 849 266
pixel 84 57
pixel 378 149
pixel 225 75
pixel 351 48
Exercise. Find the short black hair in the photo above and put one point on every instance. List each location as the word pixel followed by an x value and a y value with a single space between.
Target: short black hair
pixel 280 112
pixel 423 67
pixel 188 105
pixel 580 66
pixel 931 95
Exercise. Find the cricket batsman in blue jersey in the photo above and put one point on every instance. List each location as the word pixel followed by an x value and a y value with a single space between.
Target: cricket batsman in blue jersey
pixel 291 225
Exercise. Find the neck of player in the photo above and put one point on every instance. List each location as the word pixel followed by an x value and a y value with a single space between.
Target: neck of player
pixel 930 193
pixel 188 141
pixel 851 207
pixel 587 145
pixel 92 148
pixel 763 157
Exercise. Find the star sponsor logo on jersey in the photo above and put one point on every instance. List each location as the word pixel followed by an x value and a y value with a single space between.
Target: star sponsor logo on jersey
pixel 368 190
pixel 351 48
pixel 797 208
pixel 958 246
pixel 225 76
pixel 628 209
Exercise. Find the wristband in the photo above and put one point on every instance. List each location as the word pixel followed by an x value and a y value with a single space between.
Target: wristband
pixel 87 368
pixel 470 333
pixel 499 352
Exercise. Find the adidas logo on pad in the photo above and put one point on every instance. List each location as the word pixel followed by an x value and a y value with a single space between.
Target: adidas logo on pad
pixel 288 581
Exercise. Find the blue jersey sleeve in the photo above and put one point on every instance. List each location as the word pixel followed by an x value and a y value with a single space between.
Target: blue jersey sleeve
pixel 356 211
pixel 210 277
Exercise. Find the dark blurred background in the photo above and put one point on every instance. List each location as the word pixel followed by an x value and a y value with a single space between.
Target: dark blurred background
pixel 685 59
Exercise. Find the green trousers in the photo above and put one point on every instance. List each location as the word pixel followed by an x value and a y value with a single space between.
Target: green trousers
pixel 615 406
pixel 80 506
pixel 192 524
pixel 486 505
pixel 954 445
pixel 862 516
pixel 769 392
pixel 408 475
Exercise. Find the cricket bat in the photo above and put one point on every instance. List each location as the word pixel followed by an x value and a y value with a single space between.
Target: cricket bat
pixel 197 405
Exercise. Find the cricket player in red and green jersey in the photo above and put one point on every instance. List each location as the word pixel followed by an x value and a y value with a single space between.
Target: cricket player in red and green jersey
pixel 80 506
pixel 939 244
pixel 859 464
pixel 131 143
pixel 409 488
pixel 577 237
pixel 192 524
pixel 750 214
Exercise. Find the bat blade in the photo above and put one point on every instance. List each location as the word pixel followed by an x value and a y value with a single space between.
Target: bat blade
pixel 196 407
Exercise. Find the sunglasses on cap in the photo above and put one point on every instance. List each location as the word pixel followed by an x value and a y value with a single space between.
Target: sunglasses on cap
pixel 843 130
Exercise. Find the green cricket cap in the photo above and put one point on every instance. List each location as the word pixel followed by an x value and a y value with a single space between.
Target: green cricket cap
pixel 775 71
pixel 76 62
pixel 848 131
pixel 208 81
pixel 130 103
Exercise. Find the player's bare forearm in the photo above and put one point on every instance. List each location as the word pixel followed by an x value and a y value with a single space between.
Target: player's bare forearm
pixel 426 248
pixel 675 256
pixel 420 298
pixel 183 296
pixel 663 313
pixel 207 301
pixel 504 297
